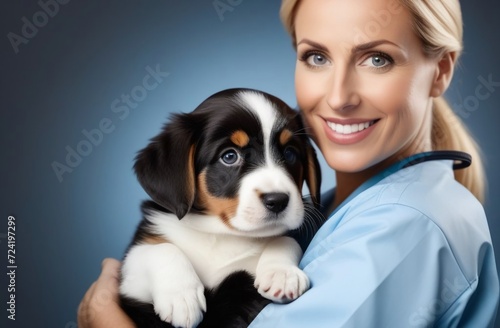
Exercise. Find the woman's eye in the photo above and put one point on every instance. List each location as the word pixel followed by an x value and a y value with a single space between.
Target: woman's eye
pixel 314 59
pixel 377 61
pixel 230 157
pixel 290 155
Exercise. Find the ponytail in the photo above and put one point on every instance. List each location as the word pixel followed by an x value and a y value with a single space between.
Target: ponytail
pixel 449 133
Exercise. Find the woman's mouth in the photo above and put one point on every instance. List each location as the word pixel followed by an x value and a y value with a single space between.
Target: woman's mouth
pixel 350 128
pixel 349 132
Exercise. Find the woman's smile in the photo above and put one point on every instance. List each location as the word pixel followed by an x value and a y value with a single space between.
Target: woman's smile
pixel 345 132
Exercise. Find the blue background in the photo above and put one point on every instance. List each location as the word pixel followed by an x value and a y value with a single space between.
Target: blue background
pixel 64 80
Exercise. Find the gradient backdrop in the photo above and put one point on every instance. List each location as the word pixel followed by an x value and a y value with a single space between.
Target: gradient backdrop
pixel 69 74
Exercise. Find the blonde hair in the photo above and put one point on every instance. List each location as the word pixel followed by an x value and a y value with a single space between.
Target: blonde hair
pixel 438 23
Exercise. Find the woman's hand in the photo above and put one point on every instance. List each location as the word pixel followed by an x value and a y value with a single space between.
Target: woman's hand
pixel 100 306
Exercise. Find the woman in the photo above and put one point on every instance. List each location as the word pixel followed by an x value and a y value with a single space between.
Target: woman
pixel 406 242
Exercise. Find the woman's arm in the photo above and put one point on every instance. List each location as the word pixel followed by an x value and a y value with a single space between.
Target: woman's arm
pixel 389 266
pixel 100 307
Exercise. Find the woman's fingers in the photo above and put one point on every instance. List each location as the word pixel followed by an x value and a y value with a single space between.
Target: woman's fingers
pixel 100 306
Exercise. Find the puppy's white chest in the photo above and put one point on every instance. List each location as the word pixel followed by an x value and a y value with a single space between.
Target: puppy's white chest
pixel 213 256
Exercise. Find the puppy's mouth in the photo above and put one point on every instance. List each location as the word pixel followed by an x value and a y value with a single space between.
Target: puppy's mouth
pixel 263 230
pixel 271 224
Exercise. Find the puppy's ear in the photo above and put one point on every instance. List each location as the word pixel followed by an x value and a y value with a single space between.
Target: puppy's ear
pixel 312 168
pixel 313 174
pixel 165 168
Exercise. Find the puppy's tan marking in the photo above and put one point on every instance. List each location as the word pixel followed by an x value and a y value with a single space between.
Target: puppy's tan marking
pixel 225 208
pixel 153 240
pixel 285 136
pixel 240 138
pixel 311 172
pixel 300 181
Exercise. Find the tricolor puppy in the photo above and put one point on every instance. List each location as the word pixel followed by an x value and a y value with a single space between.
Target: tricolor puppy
pixel 226 182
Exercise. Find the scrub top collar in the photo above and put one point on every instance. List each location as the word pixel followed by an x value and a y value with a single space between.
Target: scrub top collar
pixel 460 160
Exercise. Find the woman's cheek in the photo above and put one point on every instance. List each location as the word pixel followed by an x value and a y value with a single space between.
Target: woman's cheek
pixel 383 94
pixel 310 86
pixel 305 91
pixel 308 98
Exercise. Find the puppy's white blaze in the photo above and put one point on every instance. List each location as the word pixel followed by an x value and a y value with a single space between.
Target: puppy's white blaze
pixel 266 112
pixel 252 215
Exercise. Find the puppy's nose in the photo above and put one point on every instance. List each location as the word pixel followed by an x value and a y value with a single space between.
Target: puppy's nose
pixel 275 201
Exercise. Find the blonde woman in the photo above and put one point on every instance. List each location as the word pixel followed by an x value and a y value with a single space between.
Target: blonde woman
pixel 406 241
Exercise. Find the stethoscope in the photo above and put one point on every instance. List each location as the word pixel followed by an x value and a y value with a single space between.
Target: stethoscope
pixel 460 159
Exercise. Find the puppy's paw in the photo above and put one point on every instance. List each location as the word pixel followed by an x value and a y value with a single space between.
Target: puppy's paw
pixel 281 284
pixel 180 307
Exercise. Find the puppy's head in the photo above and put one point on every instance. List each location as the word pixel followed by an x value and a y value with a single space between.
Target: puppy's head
pixel 240 159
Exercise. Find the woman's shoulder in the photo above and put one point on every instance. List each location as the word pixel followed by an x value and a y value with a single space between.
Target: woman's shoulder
pixel 427 198
pixel 431 189
pixel 427 190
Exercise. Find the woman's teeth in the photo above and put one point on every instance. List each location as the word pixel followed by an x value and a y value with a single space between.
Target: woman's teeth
pixel 349 128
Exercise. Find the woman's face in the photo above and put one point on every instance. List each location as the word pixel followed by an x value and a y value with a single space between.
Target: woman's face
pixel 362 81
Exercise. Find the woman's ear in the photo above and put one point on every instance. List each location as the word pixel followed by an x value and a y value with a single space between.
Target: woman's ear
pixel 165 168
pixel 444 74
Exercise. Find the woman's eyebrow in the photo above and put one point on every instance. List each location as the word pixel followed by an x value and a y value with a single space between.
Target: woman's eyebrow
pixel 369 45
pixel 313 44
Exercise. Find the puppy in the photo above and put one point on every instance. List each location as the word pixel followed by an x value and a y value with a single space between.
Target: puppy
pixel 226 183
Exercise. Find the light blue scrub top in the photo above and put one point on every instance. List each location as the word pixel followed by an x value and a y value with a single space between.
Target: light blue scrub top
pixel 409 248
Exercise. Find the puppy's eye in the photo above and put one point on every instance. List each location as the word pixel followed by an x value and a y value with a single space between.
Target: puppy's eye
pixel 290 155
pixel 230 157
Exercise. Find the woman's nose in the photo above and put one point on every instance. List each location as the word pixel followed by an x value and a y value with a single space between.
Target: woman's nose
pixel 341 93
